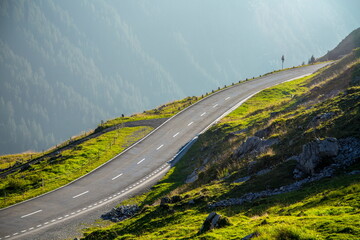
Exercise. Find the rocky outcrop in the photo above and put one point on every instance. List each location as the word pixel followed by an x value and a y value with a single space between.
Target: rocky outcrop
pixel 212 221
pixel 344 153
pixel 321 153
pixel 315 152
pixel 121 213
pixel 254 145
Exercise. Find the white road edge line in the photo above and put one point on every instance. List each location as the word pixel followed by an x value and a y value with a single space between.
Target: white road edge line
pixel 203 114
pixel 80 194
pixel 160 146
pixel 141 161
pixel 117 176
pixel 176 134
pixel 190 123
pixel 31 213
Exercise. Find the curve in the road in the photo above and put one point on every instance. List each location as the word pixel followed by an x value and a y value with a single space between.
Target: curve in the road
pixel 136 166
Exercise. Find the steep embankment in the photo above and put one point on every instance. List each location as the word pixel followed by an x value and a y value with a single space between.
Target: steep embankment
pixel 284 165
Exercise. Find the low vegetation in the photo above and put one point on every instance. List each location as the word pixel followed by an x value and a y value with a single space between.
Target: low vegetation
pixel 67 166
pixel 326 209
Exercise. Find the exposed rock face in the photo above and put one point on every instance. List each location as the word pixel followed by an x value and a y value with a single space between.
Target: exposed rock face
pixel 314 153
pixel 349 151
pixel 344 153
pixel 121 213
pixel 254 145
pixel 212 221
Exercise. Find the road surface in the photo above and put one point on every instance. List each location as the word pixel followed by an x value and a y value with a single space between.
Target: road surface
pixel 131 170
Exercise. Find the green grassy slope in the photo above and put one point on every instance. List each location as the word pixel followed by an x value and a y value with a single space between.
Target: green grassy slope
pixel 326 209
pixel 55 172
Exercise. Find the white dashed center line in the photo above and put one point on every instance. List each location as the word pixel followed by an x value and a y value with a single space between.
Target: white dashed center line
pixel 31 213
pixel 190 123
pixel 80 194
pixel 203 114
pixel 227 98
pixel 141 161
pixel 215 105
pixel 116 176
pixel 160 146
pixel 176 134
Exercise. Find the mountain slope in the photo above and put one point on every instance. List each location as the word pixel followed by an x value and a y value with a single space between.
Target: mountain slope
pixel 349 43
pixel 66 65
pixel 244 169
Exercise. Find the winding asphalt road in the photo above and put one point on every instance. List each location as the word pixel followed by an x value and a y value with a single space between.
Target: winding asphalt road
pixel 134 168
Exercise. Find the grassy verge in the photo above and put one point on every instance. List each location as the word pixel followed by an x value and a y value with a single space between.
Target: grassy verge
pixel 7 161
pixel 67 166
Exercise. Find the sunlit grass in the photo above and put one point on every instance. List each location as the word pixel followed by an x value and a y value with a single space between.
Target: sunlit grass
pixel 68 166
pixel 327 209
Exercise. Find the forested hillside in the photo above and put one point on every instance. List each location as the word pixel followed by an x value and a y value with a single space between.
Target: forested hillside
pixel 67 65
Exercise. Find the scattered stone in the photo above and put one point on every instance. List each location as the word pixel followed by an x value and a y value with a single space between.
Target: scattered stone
pixel 254 145
pixel 250 236
pixel 205 161
pixel 355 172
pixel 262 172
pixel 121 213
pixel 212 221
pixel 298 174
pixel 243 179
pixel 293 158
pixel 192 177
